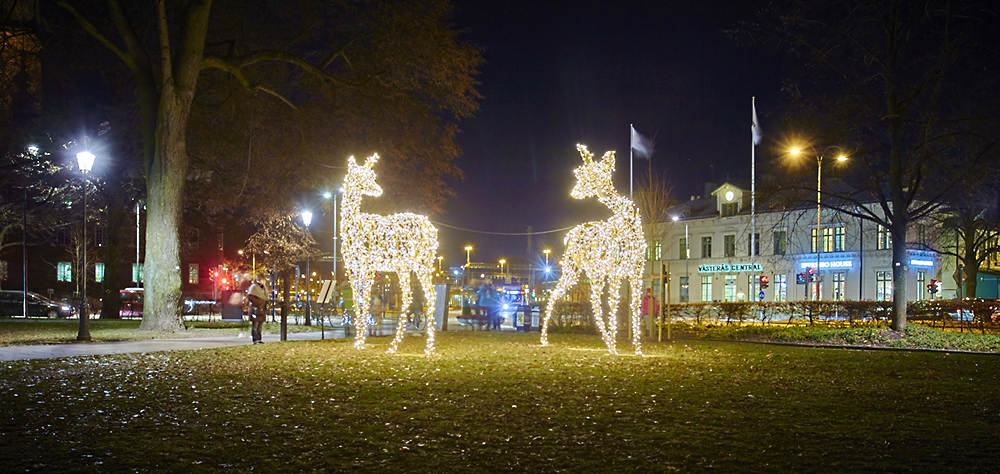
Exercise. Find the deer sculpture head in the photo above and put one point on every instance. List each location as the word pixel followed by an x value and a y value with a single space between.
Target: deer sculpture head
pixel 594 177
pixel 361 178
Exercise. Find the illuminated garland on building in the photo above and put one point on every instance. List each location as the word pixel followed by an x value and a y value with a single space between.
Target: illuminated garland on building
pixel 373 243
pixel 606 251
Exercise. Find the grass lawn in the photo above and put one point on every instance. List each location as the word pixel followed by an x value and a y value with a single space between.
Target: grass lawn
pixel 19 332
pixel 493 402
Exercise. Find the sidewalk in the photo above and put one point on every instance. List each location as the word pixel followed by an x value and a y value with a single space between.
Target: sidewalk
pixel 56 351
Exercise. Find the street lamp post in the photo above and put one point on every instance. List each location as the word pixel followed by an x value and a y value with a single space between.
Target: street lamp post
pixel 546 252
pixel 502 274
pixel 307 217
pixel 85 160
pixel 819 208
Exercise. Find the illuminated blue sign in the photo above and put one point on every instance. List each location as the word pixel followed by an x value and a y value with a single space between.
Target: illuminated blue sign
pixel 835 264
pixel 919 262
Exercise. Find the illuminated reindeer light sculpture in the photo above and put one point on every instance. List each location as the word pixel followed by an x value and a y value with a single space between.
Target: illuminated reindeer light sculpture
pixel 604 251
pixel 373 243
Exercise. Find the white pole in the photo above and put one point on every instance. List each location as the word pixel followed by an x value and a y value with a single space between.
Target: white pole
pixel 753 204
pixel 630 128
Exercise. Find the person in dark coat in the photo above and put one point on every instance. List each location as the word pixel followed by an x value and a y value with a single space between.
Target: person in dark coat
pixel 257 296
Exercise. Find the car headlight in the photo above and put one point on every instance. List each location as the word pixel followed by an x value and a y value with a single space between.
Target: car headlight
pixel 505 306
pixel 66 308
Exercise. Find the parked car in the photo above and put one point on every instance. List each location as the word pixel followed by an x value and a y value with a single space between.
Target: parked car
pixel 12 304
pixel 131 303
pixel 966 312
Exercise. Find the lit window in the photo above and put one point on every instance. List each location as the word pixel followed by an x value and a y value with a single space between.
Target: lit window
pixel 193 273
pixel 99 272
pixel 64 271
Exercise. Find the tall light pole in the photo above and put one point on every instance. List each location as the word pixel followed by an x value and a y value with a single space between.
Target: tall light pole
pixel 440 258
pixel 336 234
pixel 307 217
pixel 819 208
pixel 502 274
pixel 687 257
pixel 85 160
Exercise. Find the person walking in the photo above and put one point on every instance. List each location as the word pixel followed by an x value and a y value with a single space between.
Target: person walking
pixel 487 303
pixel 257 296
pixel 377 310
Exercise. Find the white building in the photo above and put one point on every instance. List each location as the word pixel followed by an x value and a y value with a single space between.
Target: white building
pixel 706 248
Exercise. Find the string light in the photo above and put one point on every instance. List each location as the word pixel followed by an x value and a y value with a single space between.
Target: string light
pixel 607 251
pixel 398 243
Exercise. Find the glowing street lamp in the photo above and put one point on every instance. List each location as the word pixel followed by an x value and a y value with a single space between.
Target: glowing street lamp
pixel 819 195
pixel 502 274
pixel 85 160
pixel 307 217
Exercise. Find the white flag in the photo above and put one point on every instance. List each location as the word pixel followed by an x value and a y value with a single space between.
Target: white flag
pixel 642 146
pixel 755 128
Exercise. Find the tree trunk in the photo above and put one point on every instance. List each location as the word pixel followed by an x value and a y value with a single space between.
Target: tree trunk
pixel 899 268
pixel 970 257
pixel 167 168
pixel 164 188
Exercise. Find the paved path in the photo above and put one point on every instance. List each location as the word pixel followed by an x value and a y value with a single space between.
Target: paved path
pixel 56 351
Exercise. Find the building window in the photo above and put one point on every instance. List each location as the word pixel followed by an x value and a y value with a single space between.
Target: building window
pixel 706 288
pixel 813 245
pixel 780 288
pixel 884 241
pixel 193 273
pixel 921 235
pixel 657 251
pixel 883 286
pixel 99 272
pixel 839 285
pixel 685 297
pixel 138 275
pixel 62 237
pixel 729 245
pixel 684 252
pixel 833 239
pixel 99 236
pixel 730 289
pixel 780 242
pixel 753 282
pixel 729 209
pixel 921 285
pixel 64 271
pixel 755 242
pixel 706 247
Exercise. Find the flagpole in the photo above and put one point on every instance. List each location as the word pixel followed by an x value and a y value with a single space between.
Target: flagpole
pixel 630 131
pixel 753 196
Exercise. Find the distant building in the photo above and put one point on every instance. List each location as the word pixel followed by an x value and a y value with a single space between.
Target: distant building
pixel 706 244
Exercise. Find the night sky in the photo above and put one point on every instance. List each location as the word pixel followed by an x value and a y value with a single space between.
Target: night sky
pixel 562 73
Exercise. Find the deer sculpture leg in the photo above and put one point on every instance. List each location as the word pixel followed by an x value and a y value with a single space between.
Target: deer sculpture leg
pixel 404 284
pixel 566 281
pixel 361 283
pixel 614 300
pixel 430 297
pixel 596 291
pixel 636 307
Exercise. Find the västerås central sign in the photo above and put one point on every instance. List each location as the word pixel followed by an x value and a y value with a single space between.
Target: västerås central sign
pixel 730 268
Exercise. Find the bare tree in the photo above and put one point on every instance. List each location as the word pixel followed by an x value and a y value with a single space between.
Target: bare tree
pixel 904 81
pixel 169 45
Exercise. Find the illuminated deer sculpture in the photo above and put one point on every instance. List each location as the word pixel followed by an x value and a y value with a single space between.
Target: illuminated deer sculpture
pixel 373 243
pixel 606 252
